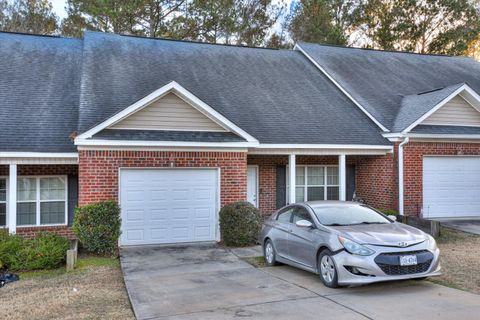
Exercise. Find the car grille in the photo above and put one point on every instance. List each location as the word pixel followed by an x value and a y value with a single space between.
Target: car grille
pixel 390 262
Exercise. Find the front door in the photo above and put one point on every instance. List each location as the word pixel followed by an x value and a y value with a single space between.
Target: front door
pixel 252 185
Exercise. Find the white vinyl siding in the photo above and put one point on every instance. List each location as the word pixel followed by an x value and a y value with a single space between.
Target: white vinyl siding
pixel 169 113
pixel 456 112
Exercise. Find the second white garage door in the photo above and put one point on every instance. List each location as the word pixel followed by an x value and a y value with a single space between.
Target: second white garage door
pixel 168 205
pixel 451 187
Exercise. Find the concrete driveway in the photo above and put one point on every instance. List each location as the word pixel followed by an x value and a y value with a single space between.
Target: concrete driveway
pixel 208 282
pixel 471 226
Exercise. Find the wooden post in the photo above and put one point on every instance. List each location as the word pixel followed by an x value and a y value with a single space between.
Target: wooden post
pixel 434 228
pixel 71 260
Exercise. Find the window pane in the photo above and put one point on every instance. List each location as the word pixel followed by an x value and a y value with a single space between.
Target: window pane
pixel 26 213
pixel 52 212
pixel 315 193
pixel 332 177
pixel 3 214
pixel 301 214
pixel 332 193
pixel 3 190
pixel 26 188
pixel 315 176
pixel 285 215
pixel 300 176
pixel 299 194
pixel 52 188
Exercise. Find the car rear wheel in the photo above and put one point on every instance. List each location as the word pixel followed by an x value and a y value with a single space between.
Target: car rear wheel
pixel 269 254
pixel 327 269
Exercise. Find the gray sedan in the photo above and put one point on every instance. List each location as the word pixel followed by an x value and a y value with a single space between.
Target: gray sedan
pixel 348 243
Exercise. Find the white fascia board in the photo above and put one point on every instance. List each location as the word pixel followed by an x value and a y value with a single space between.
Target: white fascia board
pixel 183 93
pixel 130 143
pixel 434 109
pixel 394 137
pixel 297 47
pixel 324 146
pixel 38 155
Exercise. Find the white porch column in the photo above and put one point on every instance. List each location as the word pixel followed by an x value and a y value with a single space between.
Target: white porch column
pixel 291 178
pixel 12 199
pixel 342 176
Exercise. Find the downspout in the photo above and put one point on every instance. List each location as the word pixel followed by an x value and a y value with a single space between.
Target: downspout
pixel 400 175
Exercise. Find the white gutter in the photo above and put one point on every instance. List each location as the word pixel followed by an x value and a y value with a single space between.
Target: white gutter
pixel 400 175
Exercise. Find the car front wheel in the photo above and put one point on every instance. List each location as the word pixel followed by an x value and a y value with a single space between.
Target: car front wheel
pixel 269 254
pixel 327 269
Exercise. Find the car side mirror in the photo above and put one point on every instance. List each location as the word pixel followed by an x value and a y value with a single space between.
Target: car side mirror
pixel 304 224
pixel 394 218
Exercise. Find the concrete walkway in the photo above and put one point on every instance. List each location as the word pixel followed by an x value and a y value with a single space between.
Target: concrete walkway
pixel 208 282
pixel 471 226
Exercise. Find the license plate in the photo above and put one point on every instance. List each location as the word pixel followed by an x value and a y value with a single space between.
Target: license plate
pixel 408 260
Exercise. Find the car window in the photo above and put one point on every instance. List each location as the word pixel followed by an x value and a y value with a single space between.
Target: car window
pixel 285 215
pixel 301 214
pixel 344 215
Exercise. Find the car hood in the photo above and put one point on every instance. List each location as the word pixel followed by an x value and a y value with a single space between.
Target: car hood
pixel 389 234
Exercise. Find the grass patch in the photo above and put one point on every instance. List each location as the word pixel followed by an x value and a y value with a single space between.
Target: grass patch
pixel 448 235
pixel 257 262
pixel 83 262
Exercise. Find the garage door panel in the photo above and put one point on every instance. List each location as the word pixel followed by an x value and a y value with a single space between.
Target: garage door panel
pixel 451 187
pixel 177 205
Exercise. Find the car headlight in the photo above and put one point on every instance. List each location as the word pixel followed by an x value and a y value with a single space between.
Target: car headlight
pixel 355 248
pixel 432 244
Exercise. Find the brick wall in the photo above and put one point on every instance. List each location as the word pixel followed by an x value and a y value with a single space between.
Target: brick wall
pixel 30 232
pixel 413 167
pixel 99 170
pixel 376 180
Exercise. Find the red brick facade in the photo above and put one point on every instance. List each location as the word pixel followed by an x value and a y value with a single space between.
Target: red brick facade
pixel 413 167
pixel 30 232
pixel 99 170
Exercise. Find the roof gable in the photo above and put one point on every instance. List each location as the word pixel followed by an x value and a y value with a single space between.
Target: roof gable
pixel 169 112
pixel 456 112
pixel 179 91
pixel 428 104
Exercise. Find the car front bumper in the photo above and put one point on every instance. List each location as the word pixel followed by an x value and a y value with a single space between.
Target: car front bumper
pixel 371 272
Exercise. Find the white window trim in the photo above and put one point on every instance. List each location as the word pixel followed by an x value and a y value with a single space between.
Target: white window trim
pixel 38 201
pixel 6 202
pixel 306 185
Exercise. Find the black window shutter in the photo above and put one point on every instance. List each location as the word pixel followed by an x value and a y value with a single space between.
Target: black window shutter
pixel 72 196
pixel 281 186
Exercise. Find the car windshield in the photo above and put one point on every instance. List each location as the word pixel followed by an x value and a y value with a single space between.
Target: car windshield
pixel 348 215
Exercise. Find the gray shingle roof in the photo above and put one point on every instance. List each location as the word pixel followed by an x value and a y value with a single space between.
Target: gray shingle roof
pixel 415 106
pixel 277 96
pixel 379 80
pixel 39 92
pixel 432 129
pixel 157 135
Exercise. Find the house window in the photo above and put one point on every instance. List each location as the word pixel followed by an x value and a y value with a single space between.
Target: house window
pixel 41 201
pixel 3 202
pixel 315 183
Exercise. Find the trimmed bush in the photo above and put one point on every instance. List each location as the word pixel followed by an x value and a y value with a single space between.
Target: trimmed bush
pixel 240 224
pixel 45 251
pixel 388 212
pixel 97 226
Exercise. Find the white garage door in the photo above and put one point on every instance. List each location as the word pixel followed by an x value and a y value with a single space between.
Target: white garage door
pixel 168 205
pixel 451 187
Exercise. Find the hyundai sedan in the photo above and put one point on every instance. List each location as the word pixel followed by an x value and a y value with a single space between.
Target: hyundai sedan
pixel 348 243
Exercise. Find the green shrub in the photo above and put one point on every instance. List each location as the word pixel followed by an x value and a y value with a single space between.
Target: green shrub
pixel 240 224
pixel 97 226
pixel 45 251
pixel 388 212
